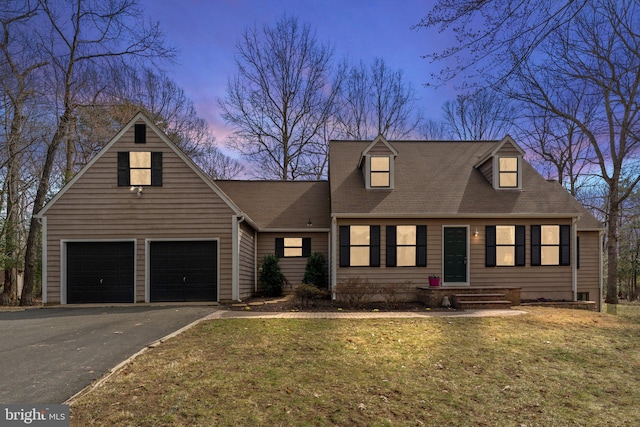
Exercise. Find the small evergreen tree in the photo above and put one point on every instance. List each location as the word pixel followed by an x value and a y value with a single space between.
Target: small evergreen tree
pixel 271 277
pixel 316 271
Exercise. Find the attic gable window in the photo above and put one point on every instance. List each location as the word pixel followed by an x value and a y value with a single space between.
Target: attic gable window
pixel 508 172
pixel 139 168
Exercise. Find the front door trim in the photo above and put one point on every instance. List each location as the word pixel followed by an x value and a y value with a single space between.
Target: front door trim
pixel 468 260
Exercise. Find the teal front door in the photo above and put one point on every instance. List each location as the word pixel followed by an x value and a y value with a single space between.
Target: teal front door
pixel 455 255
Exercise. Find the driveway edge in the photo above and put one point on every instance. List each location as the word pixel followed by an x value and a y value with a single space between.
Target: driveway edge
pixel 97 383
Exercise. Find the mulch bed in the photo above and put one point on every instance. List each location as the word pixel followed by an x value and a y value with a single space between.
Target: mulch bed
pixel 291 303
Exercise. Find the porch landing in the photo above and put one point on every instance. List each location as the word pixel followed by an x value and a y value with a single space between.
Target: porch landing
pixel 462 297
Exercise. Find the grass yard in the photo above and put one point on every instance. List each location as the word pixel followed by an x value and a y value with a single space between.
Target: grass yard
pixel 550 367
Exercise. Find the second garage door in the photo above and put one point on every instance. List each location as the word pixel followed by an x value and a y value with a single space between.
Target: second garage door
pixel 183 271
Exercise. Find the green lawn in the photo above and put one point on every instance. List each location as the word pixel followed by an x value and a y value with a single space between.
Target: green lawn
pixel 550 367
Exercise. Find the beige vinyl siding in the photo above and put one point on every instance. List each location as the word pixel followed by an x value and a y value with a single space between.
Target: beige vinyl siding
pixel 96 208
pixel 247 267
pixel 552 282
pixel 590 261
pixel 508 150
pixel 292 268
pixel 380 149
pixel 487 169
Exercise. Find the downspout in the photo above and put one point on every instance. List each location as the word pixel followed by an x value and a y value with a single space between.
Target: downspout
pixel 255 261
pixel 235 257
pixel 600 265
pixel 45 266
pixel 332 257
pixel 574 258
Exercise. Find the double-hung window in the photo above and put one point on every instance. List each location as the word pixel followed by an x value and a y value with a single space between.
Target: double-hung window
pixel 380 175
pixel 508 172
pixel 292 247
pixel 359 246
pixel 406 246
pixel 505 245
pixel 550 245
pixel 139 168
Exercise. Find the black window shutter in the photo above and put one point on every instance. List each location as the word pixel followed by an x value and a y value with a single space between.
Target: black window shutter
pixel 520 245
pixel 421 246
pixel 535 245
pixel 345 258
pixel 490 246
pixel 279 247
pixel 391 246
pixel 578 252
pixel 156 169
pixel 374 249
pixel 140 133
pixel 123 169
pixel 306 246
pixel 565 245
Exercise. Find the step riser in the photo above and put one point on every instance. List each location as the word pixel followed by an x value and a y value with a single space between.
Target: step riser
pixel 480 297
pixel 482 305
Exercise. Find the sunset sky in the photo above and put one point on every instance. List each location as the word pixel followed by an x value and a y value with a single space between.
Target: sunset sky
pixel 205 33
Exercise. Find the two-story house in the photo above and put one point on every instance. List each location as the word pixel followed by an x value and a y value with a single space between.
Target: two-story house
pixel 142 223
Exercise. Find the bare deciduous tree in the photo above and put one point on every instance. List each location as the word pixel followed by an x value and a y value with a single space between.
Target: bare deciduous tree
pixel 477 116
pixel 81 38
pixel 540 52
pixel 377 101
pixel 17 66
pixel 280 99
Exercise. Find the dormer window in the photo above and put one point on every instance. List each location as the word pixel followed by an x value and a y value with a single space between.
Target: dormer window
pixel 507 174
pixel 380 172
pixel 376 163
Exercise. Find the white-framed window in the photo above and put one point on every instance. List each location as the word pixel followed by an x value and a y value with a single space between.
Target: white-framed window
pixel 359 246
pixel 508 172
pixel 140 168
pixel 293 246
pixel 380 172
pixel 505 245
pixel 549 244
pixel 406 245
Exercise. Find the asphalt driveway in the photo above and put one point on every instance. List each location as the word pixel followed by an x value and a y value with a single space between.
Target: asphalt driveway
pixel 47 355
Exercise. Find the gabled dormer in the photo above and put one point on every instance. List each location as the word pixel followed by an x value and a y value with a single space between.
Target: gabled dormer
pixel 502 165
pixel 377 164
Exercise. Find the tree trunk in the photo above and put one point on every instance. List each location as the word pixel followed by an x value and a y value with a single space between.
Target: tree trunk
pixel 612 247
pixel 12 221
pixel 35 226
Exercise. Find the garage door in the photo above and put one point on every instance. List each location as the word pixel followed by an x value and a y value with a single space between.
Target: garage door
pixel 183 271
pixel 100 272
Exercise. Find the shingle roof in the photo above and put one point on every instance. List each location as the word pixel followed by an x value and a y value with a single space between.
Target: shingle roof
pixel 435 178
pixel 281 204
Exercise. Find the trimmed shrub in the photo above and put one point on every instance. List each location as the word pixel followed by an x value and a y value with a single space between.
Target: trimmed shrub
pixel 315 272
pixel 305 293
pixel 271 278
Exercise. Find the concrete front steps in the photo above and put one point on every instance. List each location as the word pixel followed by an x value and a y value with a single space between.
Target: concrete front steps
pixel 464 301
